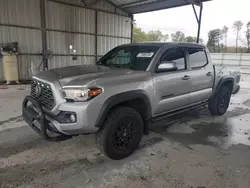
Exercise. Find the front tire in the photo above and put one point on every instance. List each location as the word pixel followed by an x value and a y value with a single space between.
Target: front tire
pixel 220 103
pixel 121 133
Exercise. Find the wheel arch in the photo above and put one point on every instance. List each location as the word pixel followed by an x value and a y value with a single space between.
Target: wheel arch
pixel 225 81
pixel 213 103
pixel 136 99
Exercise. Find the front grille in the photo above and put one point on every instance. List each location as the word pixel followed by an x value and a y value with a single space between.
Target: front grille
pixel 43 93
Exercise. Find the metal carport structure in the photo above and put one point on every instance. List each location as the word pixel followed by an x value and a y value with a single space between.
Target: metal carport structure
pixel 140 6
pixel 93 27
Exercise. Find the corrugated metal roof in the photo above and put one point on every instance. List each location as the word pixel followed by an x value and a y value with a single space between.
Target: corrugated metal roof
pixel 113 25
pixel 29 40
pixel 25 12
pixel 140 6
pixel 70 18
pixel 107 43
pixel 59 43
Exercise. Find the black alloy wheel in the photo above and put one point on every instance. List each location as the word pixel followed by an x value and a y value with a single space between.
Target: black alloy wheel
pixel 121 133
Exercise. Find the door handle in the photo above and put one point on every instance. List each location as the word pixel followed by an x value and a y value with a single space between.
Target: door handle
pixel 209 74
pixel 186 77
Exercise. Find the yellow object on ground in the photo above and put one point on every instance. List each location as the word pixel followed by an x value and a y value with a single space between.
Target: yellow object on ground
pixel 10 67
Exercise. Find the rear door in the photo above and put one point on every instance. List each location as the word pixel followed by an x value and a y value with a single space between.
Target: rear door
pixel 172 88
pixel 201 75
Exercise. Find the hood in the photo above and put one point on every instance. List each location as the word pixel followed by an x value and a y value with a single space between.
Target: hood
pixel 87 74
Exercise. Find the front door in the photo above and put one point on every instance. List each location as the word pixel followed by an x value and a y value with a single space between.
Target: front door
pixel 172 87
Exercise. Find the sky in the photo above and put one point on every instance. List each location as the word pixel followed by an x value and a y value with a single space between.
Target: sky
pixel 216 14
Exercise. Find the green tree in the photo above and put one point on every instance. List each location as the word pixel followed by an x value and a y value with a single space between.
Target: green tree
pixel 153 36
pixel 201 41
pixel 139 35
pixel 190 39
pixel 193 39
pixel 214 40
pixel 237 26
pixel 157 36
pixel 224 35
pixel 178 36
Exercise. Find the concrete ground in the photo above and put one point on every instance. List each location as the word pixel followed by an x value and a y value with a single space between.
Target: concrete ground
pixel 193 150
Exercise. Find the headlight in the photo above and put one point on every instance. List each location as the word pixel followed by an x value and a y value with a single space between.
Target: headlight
pixel 80 94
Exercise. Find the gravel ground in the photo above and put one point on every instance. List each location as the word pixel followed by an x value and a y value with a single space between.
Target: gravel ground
pixel 195 150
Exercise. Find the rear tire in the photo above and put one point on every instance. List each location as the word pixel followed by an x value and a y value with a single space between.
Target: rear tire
pixel 220 103
pixel 121 133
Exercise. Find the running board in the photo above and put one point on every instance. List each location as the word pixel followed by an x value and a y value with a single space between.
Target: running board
pixel 169 114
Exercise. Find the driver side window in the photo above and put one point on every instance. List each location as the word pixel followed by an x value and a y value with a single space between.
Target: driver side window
pixel 177 56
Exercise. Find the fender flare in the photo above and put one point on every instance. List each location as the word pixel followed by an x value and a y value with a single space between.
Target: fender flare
pixel 221 82
pixel 123 97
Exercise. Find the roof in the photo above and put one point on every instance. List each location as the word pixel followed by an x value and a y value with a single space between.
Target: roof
pixel 140 6
pixel 159 44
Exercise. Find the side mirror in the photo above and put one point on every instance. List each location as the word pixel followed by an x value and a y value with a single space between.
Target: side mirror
pixel 167 66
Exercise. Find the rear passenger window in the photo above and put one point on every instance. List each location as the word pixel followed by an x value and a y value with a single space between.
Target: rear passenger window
pixel 197 58
pixel 176 55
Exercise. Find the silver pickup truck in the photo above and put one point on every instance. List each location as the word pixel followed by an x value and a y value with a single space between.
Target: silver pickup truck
pixel 120 96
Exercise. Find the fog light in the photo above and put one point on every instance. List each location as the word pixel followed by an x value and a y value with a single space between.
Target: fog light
pixel 66 117
pixel 72 118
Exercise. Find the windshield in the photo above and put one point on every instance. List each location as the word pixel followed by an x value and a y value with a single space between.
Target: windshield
pixel 130 57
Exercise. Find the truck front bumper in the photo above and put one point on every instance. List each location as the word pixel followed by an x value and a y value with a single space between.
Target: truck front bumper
pixel 34 115
pixel 45 123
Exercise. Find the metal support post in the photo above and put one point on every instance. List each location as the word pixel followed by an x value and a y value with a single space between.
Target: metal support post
pixel 199 23
pixel 44 34
pixel 198 19
pixel 96 35
pixel 132 28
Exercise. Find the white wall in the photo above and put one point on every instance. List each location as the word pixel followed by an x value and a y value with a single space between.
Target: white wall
pixel 231 59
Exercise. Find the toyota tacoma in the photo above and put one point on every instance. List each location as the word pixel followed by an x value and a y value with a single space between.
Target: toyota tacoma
pixel 120 96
